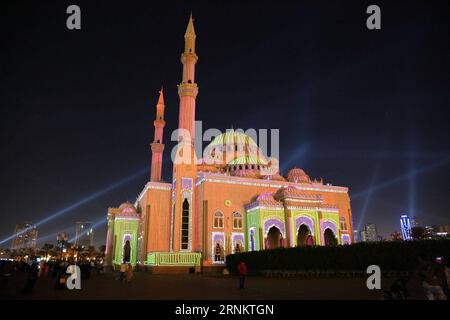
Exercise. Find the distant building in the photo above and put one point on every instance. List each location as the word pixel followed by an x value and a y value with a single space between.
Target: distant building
pixel 356 236
pixel 406 226
pixel 363 236
pixel 25 236
pixel 371 232
pixel 444 228
pixel 84 234
pixel 443 231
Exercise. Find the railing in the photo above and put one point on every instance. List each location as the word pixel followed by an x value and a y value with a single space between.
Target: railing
pixel 174 258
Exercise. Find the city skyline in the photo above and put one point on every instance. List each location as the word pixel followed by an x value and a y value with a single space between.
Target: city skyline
pixel 395 168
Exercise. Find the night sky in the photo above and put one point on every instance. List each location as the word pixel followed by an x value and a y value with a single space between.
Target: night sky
pixel 358 108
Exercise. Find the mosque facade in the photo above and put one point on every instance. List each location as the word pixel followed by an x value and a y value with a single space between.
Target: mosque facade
pixel 233 199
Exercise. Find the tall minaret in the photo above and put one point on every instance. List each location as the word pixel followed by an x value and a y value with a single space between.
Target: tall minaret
pixel 187 89
pixel 184 169
pixel 157 145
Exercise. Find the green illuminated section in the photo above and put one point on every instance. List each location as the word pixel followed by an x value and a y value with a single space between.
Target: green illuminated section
pixel 231 137
pixel 335 218
pixel 253 222
pixel 256 218
pixel 125 230
pixel 314 215
pixel 174 258
pixel 247 160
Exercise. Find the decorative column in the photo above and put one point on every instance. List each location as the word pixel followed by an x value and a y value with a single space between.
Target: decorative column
pixel 109 240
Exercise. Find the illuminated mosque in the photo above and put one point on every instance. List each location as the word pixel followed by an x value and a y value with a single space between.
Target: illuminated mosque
pixel 234 203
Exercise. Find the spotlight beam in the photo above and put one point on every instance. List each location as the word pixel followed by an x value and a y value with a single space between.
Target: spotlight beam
pixel 369 194
pixel 403 177
pixel 52 235
pixel 81 202
pixel 300 152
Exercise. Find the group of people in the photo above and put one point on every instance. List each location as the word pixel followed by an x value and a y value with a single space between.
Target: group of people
pixel 434 276
pixel 33 269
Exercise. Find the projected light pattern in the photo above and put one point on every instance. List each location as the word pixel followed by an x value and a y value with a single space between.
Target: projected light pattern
pixel 81 202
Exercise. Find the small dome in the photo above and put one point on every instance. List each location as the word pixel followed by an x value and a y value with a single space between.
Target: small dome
pixel 127 208
pixel 298 175
pixel 265 196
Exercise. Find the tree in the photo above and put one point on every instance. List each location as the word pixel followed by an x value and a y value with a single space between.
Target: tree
pixel 418 233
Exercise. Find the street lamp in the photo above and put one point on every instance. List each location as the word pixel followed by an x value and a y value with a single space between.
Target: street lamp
pixel 62 238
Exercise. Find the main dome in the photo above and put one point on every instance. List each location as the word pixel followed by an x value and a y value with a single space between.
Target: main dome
pixel 231 137
pixel 234 148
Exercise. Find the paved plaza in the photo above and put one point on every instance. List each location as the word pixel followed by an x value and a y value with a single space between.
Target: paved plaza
pixel 195 286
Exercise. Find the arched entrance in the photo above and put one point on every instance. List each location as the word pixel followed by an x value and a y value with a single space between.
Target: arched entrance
pixel 126 251
pixel 329 238
pixel 274 238
pixel 304 236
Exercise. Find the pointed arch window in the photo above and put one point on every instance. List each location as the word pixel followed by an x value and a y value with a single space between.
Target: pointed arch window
pixel 218 220
pixel 237 220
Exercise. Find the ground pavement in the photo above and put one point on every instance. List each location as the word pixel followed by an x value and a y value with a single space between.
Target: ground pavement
pixel 195 286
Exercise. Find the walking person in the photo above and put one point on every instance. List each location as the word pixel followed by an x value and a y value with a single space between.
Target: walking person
pixel 31 278
pixel 242 270
pixel 129 272
pixel 123 270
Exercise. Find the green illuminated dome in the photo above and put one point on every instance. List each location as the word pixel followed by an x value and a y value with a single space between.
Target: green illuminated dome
pixel 231 137
pixel 234 148
pixel 247 160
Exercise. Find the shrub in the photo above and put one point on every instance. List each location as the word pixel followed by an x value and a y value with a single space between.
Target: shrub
pixel 396 256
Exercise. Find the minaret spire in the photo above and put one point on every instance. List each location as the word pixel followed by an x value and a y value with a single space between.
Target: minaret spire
pixel 161 96
pixel 184 234
pixel 189 37
pixel 157 146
